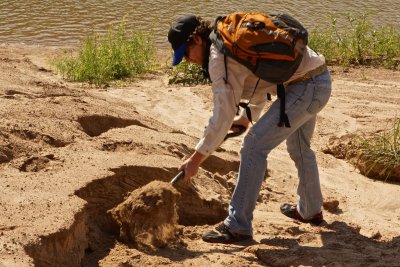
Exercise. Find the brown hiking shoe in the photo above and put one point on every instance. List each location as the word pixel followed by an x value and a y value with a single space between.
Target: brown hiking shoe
pixel 291 211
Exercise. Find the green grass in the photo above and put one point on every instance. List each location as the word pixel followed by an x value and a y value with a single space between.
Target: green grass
pixel 380 152
pixel 187 74
pixel 116 55
pixel 355 40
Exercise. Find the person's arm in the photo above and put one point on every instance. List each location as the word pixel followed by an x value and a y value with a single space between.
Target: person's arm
pixel 225 96
pixel 224 112
pixel 241 120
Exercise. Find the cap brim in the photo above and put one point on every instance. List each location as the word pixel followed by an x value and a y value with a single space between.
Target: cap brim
pixel 179 54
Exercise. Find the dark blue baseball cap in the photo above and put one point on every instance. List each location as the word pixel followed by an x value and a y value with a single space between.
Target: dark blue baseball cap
pixel 179 34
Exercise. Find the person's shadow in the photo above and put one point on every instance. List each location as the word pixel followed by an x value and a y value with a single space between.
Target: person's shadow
pixel 342 246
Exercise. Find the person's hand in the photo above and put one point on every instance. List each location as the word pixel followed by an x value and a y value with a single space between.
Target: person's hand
pixel 239 126
pixel 191 166
pixel 239 120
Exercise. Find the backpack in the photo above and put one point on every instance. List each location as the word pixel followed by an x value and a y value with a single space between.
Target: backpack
pixel 270 45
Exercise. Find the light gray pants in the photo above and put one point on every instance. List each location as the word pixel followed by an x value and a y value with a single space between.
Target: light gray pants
pixel 303 101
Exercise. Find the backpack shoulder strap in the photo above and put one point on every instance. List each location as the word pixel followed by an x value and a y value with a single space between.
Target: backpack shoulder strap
pixel 283 118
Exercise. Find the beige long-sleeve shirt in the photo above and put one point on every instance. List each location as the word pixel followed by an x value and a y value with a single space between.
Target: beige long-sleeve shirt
pixel 240 85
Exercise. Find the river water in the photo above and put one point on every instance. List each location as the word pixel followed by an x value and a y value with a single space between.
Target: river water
pixel 66 22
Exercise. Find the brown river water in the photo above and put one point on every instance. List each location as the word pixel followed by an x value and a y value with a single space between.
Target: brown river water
pixel 66 22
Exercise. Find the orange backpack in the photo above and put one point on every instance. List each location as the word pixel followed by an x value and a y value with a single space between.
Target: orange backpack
pixel 270 45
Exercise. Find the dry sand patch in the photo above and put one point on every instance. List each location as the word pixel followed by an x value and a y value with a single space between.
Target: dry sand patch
pixel 69 153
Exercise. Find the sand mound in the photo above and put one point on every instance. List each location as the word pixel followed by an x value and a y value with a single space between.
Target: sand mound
pixel 148 215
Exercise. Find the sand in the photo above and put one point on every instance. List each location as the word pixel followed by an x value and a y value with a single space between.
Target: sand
pixel 70 153
pixel 148 215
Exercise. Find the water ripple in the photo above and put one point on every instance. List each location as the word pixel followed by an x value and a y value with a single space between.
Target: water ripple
pixel 65 22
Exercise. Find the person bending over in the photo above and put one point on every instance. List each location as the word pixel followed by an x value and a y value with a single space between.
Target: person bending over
pixel 307 92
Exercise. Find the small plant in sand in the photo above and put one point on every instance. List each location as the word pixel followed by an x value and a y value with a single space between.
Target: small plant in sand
pixel 116 55
pixel 379 155
pixel 187 74
pixel 354 40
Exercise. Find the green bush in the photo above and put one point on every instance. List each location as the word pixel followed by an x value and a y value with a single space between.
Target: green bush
pixel 354 40
pixel 187 74
pixel 111 56
pixel 381 152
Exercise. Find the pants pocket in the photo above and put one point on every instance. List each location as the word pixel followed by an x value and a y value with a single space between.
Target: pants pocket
pixel 322 92
pixel 315 106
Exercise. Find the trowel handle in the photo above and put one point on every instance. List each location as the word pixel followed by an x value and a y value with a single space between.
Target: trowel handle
pixel 178 177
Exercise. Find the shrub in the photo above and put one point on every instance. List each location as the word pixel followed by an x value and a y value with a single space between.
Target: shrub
pixel 187 74
pixel 353 39
pixel 380 155
pixel 111 56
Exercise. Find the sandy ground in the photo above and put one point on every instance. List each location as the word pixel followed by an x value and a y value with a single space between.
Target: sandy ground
pixel 69 153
